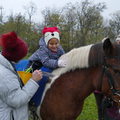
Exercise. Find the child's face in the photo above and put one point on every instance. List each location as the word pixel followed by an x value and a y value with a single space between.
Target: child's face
pixel 53 44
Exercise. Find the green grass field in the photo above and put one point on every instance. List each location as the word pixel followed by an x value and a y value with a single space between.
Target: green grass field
pixel 89 109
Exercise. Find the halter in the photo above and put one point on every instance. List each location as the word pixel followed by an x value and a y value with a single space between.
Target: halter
pixel 114 93
pixel 111 98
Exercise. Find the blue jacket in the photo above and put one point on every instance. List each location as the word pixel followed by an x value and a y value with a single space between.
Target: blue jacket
pixel 46 56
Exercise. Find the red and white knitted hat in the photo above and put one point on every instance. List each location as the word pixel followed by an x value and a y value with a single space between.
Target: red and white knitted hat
pixel 50 32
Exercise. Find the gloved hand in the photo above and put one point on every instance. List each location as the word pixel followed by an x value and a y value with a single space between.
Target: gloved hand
pixel 61 63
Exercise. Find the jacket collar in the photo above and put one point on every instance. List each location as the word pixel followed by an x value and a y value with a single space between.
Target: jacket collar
pixel 5 62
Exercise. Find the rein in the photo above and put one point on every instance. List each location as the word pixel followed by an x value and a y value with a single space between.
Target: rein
pixel 105 71
pixel 111 82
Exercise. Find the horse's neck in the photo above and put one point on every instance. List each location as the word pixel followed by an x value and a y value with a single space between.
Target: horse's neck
pixel 100 81
pixel 95 74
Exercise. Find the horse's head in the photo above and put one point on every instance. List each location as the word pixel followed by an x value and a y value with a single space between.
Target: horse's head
pixel 112 68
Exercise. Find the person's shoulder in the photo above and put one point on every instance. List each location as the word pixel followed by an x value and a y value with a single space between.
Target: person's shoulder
pixel 43 49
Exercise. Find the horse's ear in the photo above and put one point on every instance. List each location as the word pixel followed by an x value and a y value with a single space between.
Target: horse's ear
pixel 107 47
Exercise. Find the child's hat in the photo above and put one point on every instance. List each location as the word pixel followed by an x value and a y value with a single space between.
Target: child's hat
pixel 13 48
pixel 50 32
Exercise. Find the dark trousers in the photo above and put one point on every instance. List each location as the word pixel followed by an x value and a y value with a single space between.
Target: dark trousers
pixel 36 99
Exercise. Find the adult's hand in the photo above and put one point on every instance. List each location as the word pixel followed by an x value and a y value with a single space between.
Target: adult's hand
pixel 37 75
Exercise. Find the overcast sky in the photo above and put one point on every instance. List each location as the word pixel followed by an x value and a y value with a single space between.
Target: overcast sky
pixel 17 6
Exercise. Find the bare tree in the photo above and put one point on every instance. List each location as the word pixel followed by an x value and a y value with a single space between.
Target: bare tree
pixel 30 11
pixel 69 26
pixel 51 17
pixel 90 21
pixel 115 24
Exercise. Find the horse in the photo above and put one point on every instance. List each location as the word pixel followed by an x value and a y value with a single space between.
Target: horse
pixel 89 68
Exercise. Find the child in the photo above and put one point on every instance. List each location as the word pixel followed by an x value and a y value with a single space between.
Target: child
pixel 47 56
pixel 49 51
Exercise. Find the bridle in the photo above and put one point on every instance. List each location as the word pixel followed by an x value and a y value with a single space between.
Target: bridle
pixel 113 96
pixel 114 93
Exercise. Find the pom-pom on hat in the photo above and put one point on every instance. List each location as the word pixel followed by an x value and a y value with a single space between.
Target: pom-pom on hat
pixel 50 32
pixel 13 48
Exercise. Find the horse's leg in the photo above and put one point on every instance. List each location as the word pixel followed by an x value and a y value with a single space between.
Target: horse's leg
pixel 99 98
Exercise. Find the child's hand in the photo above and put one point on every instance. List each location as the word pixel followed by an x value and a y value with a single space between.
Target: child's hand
pixel 61 63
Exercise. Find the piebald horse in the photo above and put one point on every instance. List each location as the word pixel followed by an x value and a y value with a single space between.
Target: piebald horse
pixel 89 68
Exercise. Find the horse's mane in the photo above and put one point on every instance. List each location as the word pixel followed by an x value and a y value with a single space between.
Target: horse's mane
pixel 82 57
pixel 96 55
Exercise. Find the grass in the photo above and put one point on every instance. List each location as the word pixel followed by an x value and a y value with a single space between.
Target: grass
pixel 89 111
